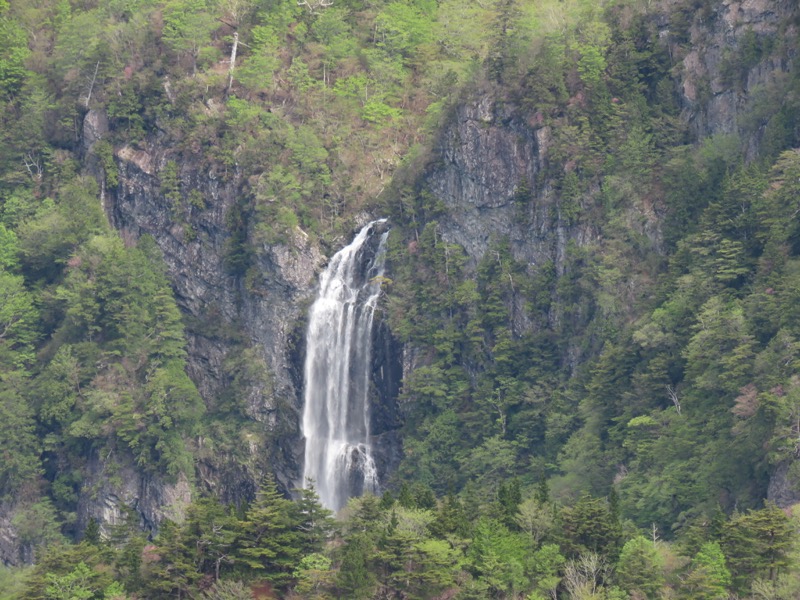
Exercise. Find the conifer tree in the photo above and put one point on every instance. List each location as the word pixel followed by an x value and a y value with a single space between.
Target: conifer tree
pixel 355 579
pixel 590 526
pixel 315 522
pixel 758 544
pixel 212 530
pixel 708 577
pixel 451 519
pixel 509 497
pixel 639 568
pixel 170 571
pixel 269 538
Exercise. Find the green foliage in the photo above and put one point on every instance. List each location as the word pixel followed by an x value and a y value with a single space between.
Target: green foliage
pixel 37 527
pixel 315 522
pixel 213 529
pixel 12 65
pixel 47 240
pixel 708 578
pixel 403 27
pixel 17 322
pixel 314 575
pixel 19 447
pixel 76 585
pixel 12 582
pixel 498 556
pixel 590 526
pixel 758 544
pixel 187 27
pixel 170 571
pixel 354 577
pixel 105 153
pixel 269 544
pixel 227 590
pixel 544 567
pixel 652 349
pixel 640 568
pixel 117 299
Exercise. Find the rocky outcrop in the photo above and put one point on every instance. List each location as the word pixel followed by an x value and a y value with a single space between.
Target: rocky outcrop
pixel 11 551
pixel 385 419
pixel 114 487
pixel 486 156
pixel 189 224
pixel 784 484
pixel 492 150
pixel 736 50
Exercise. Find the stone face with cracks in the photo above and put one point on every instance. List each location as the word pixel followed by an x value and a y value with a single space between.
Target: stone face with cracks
pixel 484 156
pixel 265 312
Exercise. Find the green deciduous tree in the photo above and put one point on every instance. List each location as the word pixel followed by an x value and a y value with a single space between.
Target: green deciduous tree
pixel 544 568
pixel 12 64
pixel 314 575
pixel 17 322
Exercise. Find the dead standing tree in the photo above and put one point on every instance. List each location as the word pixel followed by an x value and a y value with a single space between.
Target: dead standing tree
pixel 314 6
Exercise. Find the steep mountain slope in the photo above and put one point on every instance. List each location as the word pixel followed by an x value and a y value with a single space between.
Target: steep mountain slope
pixel 592 266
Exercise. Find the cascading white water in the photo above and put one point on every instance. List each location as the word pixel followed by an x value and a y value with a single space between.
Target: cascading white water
pixel 338 457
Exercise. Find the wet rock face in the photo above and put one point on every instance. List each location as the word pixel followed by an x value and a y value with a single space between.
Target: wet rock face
pixel 268 312
pixel 12 553
pixel 385 418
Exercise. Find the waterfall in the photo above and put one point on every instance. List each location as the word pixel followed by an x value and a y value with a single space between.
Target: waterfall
pixel 338 457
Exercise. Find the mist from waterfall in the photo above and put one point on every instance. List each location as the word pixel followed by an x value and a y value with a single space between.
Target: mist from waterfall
pixel 336 416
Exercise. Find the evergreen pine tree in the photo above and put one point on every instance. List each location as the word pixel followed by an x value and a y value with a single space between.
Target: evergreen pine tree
pixel 355 579
pixel 269 540
pixel 758 544
pixel 316 523
pixel 708 577
pixel 91 535
pixel 640 569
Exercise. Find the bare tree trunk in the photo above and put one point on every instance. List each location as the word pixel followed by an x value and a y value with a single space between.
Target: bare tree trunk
pixel 673 395
pixel 91 86
pixel 233 60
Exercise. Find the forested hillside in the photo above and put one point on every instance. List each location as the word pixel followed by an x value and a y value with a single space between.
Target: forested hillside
pixel 591 300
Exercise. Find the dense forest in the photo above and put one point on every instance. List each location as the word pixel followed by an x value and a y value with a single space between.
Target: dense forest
pixel 600 397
